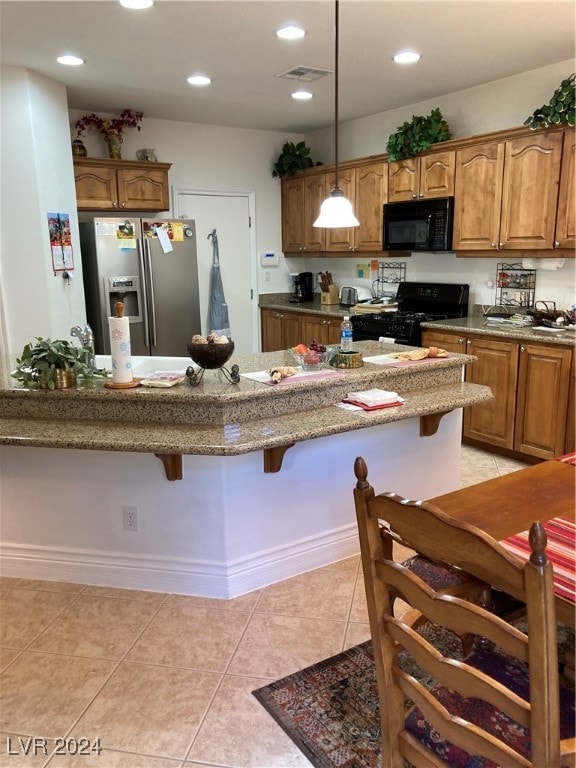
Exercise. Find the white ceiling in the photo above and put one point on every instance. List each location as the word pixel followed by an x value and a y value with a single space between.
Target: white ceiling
pixel 141 59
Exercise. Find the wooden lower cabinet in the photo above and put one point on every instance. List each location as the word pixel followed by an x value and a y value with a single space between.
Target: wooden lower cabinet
pixel 497 368
pixel 533 388
pixel 542 400
pixel 324 330
pixel 280 330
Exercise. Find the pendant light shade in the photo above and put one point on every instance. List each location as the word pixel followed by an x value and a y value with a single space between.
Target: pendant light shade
pixel 336 211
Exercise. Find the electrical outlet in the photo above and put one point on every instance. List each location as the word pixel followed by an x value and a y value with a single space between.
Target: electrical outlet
pixel 266 277
pixel 130 516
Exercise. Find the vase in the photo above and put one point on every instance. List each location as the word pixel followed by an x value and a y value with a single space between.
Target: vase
pixel 114 141
pixel 64 379
pixel 78 148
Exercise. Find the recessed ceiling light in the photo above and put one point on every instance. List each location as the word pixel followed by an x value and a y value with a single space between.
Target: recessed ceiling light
pixel 136 5
pixel 406 57
pixel 291 32
pixel 70 60
pixel 302 95
pixel 199 80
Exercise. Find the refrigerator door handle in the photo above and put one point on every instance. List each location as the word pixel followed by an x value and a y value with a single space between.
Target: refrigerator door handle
pixel 145 281
pixel 150 285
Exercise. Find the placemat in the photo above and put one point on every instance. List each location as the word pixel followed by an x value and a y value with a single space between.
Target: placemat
pixel 264 377
pixel 561 533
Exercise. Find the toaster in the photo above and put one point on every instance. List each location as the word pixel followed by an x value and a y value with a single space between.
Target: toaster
pixel 348 296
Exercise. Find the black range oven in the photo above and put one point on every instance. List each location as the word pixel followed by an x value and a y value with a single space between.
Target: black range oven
pixel 417 303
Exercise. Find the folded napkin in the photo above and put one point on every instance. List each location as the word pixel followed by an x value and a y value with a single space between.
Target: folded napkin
pixel 373 397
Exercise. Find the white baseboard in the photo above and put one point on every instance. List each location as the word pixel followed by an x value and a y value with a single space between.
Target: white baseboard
pixel 179 576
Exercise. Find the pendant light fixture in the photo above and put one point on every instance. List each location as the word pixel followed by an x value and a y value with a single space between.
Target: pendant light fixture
pixel 336 211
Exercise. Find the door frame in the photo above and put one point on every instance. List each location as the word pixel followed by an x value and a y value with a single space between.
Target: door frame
pixel 251 199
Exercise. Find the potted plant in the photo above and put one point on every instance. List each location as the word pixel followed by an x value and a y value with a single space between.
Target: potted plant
pixel 417 136
pixel 55 364
pixel 294 157
pixel 112 128
pixel 559 110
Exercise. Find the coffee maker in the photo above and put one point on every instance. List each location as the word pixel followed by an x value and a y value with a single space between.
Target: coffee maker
pixel 303 287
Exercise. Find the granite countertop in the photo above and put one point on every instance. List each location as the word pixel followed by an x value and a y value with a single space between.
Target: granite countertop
pixel 480 326
pixel 314 307
pixel 219 418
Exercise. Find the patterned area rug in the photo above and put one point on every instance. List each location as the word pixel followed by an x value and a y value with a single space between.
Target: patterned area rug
pixel 330 710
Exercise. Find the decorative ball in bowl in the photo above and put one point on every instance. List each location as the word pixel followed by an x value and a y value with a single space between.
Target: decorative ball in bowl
pixel 209 355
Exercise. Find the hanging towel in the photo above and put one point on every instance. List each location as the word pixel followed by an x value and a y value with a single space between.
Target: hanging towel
pixel 218 319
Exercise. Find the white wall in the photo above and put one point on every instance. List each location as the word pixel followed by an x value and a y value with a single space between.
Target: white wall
pixel 36 178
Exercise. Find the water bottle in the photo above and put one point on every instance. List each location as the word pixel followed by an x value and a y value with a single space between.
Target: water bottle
pixel 346 335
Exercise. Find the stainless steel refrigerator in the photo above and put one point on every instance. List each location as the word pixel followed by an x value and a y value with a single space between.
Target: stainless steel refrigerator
pixel 150 265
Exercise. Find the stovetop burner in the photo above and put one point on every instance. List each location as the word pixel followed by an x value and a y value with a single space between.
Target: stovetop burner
pixel 418 303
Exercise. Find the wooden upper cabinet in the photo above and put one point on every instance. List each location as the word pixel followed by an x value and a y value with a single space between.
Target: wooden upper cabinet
pixel 293 214
pixel 530 191
pixel 478 196
pixel 342 238
pixel 565 219
pixel 302 197
pixel 422 177
pixel 315 192
pixel 366 187
pixel 96 186
pixel 112 185
pixel 371 194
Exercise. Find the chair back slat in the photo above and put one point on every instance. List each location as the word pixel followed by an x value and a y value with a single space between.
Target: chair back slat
pixel 457 675
pixel 458 731
pixel 460 616
pixel 466 547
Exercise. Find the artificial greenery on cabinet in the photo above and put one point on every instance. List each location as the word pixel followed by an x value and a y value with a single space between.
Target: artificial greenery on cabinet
pixel 560 110
pixel 294 157
pixel 417 136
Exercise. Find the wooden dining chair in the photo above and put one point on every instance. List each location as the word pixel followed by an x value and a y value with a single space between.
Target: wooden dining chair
pixel 501 704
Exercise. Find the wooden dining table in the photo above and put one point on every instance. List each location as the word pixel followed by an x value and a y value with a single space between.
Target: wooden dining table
pixel 508 505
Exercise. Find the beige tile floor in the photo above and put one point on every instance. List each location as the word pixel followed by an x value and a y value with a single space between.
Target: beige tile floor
pixel 165 681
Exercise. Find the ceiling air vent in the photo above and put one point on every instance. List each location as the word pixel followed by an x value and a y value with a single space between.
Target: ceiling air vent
pixel 305 74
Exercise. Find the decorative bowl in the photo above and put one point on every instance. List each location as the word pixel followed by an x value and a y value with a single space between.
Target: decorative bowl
pixel 312 361
pixel 210 355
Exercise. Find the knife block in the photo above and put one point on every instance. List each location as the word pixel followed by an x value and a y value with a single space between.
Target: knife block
pixel 330 296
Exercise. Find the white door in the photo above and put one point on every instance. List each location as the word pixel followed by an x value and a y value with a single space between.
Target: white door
pixel 230 214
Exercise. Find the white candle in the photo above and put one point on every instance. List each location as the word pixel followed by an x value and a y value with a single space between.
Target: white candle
pixel 120 349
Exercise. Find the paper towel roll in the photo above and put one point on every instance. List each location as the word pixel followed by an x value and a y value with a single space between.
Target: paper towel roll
pixel 120 349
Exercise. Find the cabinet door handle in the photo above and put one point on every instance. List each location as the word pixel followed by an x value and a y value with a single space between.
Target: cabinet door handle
pixel 556 244
pixel 500 245
pixel 461 341
pixel 114 205
pixel 414 196
pixel 421 195
pixel 522 349
pixel 469 343
pixel 493 245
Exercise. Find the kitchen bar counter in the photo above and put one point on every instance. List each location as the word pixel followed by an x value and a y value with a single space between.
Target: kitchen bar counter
pixel 219 418
pixel 75 462
pixel 480 326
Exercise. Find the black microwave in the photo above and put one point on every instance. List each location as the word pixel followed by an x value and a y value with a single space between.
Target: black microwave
pixel 418 225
